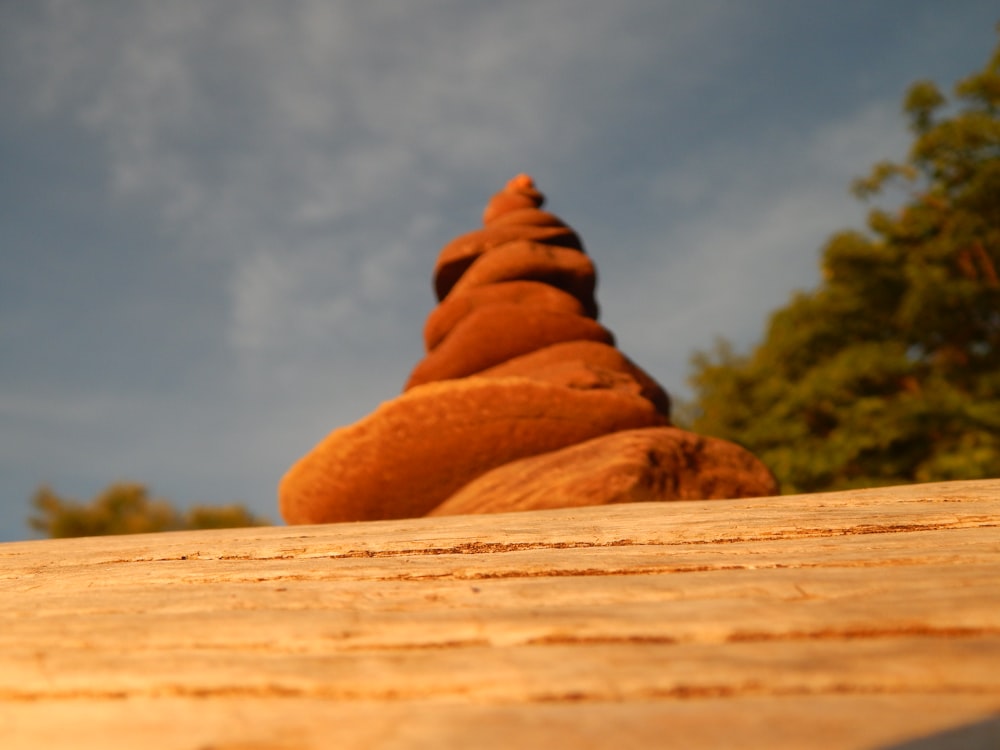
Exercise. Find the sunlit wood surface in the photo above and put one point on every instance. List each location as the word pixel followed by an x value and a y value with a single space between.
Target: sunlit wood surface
pixel 850 620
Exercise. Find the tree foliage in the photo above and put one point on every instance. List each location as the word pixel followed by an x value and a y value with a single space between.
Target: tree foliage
pixel 889 371
pixel 127 508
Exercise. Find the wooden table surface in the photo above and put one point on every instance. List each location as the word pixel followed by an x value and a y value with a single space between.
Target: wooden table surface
pixel 864 619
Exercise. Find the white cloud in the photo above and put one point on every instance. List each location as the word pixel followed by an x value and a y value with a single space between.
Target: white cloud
pixel 307 143
pixel 261 288
pixel 754 222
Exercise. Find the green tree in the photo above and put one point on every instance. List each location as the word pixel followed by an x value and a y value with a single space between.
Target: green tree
pixel 889 371
pixel 127 508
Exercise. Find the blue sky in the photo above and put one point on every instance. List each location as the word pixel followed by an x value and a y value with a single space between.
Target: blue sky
pixel 218 218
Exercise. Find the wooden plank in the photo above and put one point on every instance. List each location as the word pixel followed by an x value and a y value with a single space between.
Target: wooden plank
pixel 870 616
pixel 710 606
pixel 907 508
pixel 734 723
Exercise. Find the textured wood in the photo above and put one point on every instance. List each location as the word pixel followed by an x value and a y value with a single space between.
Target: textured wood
pixel 847 620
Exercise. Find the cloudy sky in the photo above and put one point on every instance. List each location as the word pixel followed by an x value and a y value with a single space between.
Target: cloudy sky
pixel 218 218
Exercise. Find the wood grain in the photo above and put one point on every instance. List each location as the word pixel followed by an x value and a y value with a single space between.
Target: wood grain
pixel 844 620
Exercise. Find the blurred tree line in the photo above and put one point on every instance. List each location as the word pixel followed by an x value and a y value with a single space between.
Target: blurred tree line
pixel 889 371
pixel 127 508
